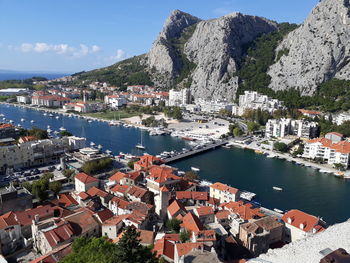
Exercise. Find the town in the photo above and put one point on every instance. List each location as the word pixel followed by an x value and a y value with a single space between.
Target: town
pixel 58 189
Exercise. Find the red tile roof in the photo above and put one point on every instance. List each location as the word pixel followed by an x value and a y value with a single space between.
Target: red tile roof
pixel 55 255
pixel 63 232
pixel 310 112
pixel 25 217
pixel 104 215
pixel 146 237
pixel 175 207
pixel 6 125
pixel 299 218
pixel 117 177
pixel 115 220
pixel 136 191
pixel 120 189
pixel 164 247
pixel 191 222
pixel 146 161
pixel 86 179
pixel 8 219
pixel 200 196
pixel 244 211
pixel 28 138
pixel 161 174
pixel 222 214
pixel 94 191
pixel 204 210
pixel 185 248
pixel 83 195
pixel 66 200
pixel 120 202
pixel 341 147
pixel 335 133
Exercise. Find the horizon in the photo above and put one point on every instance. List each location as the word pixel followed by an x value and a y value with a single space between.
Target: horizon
pixel 38 40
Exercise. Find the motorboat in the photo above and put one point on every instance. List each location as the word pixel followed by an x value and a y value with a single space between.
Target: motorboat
pixel 32 121
pixel 195 169
pixel 277 188
pixel 278 211
pixel 247 195
pixel 22 120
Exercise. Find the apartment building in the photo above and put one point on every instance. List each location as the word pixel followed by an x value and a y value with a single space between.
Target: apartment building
pixel 50 101
pixel 179 97
pixel 332 153
pixel 254 100
pixel 223 192
pixel 283 127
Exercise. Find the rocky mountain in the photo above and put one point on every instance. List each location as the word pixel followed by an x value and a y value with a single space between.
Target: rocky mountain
pixel 317 51
pixel 212 48
pixel 222 57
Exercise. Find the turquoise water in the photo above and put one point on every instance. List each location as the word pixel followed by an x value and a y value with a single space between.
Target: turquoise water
pixel 304 188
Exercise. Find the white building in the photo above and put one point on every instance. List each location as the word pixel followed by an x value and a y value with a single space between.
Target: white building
pixel 24 99
pixel 341 118
pixel 213 106
pixel 115 101
pixel 300 225
pixel 254 100
pixel 333 153
pixel 84 182
pixel 223 192
pixel 179 97
pixel 284 127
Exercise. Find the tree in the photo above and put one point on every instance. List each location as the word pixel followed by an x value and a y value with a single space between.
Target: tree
pixel 280 147
pixel 55 187
pixel 252 126
pixel 38 133
pixel 191 176
pixel 65 134
pixel 69 173
pixel 94 167
pixel 184 236
pixel 173 225
pixel 39 190
pixel 129 248
pixel 339 166
pixel 237 132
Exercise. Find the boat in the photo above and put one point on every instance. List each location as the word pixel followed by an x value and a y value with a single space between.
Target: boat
pixel 50 115
pixel 32 121
pixel 195 169
pixel 259 152
pixel 247 195
pixel 188 138
pixel 62 129
pixel 45 114
pixel 278 211
pixel 22 120
pixel 277 188
pixel 140 145
pixel 92 144
pixel 89 121
pixel 49 130
pixel 57 117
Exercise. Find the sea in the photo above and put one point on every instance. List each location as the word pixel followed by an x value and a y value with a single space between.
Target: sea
pixel 27 75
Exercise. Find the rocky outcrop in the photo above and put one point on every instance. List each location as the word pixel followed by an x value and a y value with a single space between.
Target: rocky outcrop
pixel 162 58
pixel 216 47
pixel 317 51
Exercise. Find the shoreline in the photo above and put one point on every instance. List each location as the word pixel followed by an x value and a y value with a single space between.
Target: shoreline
pixel 297 161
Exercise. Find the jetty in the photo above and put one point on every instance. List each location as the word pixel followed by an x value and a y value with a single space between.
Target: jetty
pixel 207 147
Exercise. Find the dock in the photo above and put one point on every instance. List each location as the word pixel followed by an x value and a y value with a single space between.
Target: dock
pixel 194 151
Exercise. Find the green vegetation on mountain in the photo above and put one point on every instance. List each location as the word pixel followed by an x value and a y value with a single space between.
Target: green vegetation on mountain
pixel 23 84
pixel 127 72
pixel 186 66
pixel 332 95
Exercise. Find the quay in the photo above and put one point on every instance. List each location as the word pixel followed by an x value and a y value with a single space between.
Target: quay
pixel 208 147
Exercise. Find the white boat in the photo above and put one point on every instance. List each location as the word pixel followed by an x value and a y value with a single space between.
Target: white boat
pixel 10 121
pixel 99 146
pixel 49 130
pixel 140 145
pixel 247 195
pixel 108 152
pixel 195 169
pixel 92 144
pixel 57 117
pixel 45 114
pixel 22 120
pixel 48 126
pixel 50 115
pixel 62 129
pixel 32 121
pixel 89 121
pixel 278 211
pixel 277 188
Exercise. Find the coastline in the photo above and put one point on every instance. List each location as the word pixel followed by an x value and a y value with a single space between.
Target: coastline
pixel 295 160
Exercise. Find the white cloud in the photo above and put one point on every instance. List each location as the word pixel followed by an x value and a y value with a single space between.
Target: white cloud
pixel 120 55
pixel 60 49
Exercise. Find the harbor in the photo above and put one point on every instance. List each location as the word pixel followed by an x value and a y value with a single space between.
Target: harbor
pixel 304 188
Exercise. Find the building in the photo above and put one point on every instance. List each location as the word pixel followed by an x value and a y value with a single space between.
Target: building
pixel 284 127
pixel 213 106
pixel 254 100
pixel 179 97
pixel 24 99
pixel 115 101
pixel 223 192
pixel 146 162
pixel 300 225
pixel 258 235
pixel 205 214
pixel 8 131
pixel 84 182
pixel 341 118
pixel 13 92
pixel 332 153
pixel 12 199
pixel 50 101
pixel 10 234
pixel 310 113
pixel 334 136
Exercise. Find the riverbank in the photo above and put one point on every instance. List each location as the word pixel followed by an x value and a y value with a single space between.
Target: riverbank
pixel 298 161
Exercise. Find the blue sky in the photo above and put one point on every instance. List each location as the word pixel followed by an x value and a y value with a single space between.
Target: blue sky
pixel 75 35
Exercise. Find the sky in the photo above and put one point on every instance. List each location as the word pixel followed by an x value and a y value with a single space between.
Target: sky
pixel 75 35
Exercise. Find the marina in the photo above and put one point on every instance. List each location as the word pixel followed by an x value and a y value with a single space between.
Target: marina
pixel 304 188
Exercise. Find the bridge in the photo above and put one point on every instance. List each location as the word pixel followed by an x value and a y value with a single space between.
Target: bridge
pixel 194 151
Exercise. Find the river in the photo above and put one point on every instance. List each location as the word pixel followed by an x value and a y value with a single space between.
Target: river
pixel 303 188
